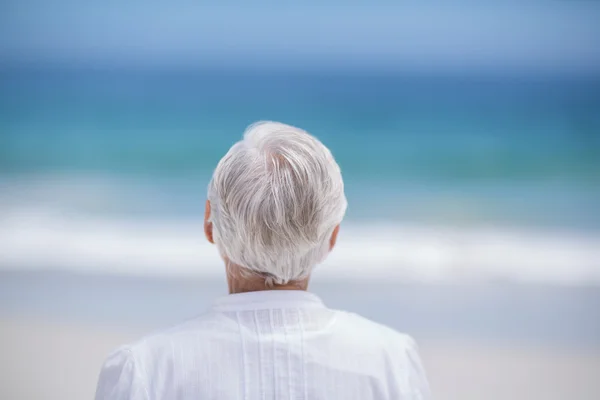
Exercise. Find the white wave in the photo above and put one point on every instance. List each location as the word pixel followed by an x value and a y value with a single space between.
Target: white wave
pixel 44 240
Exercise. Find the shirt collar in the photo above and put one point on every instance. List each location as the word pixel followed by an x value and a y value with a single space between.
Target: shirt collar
pixel 267 299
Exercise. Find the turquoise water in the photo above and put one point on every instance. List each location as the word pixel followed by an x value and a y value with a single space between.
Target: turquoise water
pixel 445 149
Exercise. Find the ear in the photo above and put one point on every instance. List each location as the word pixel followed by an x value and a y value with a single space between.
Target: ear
pixel 208 226
pixel 333 239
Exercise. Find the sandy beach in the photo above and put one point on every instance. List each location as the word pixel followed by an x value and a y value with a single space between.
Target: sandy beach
pixel 58 360
pixel 477 341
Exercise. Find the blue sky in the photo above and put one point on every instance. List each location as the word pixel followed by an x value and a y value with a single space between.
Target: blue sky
pixel 538 36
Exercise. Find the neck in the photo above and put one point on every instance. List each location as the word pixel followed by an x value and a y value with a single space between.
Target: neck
pixel 242 283
pixel 244 287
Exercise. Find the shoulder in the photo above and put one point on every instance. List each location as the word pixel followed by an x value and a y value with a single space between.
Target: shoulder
pixel 201 327
pixel 131 369
pixel 394 351
pixel 364 328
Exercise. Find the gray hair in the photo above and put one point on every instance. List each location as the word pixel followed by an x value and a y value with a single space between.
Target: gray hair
pixel 276 198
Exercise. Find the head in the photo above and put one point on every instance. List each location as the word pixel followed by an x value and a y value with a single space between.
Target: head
pixel 274 207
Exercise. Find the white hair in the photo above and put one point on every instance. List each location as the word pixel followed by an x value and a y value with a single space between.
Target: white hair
pixel 276 198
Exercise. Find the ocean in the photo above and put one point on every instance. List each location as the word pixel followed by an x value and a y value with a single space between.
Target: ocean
pixel 498 315
pixel 448 177
pixel 472 225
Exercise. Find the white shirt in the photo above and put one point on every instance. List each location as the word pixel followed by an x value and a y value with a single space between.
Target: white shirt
pixel 266 345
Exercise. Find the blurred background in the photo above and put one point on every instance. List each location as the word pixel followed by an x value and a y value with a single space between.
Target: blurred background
pixel 468 136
